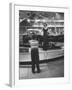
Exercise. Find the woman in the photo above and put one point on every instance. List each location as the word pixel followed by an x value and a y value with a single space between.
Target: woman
pixel 45 37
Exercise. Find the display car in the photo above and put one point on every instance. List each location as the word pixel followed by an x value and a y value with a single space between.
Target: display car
pixel 53 42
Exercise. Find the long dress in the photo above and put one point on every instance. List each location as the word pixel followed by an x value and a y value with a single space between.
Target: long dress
pixel 45 39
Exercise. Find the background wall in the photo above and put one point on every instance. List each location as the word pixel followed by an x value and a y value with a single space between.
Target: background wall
pixel 4 40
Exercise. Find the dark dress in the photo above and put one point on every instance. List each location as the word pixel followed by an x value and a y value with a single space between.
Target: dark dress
pixel 45 31
pixel 45 39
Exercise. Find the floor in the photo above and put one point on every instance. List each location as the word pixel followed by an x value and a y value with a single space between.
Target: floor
pixel 54 68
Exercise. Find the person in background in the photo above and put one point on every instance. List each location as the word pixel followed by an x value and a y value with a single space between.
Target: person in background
pixel 45 36
pixel 34 54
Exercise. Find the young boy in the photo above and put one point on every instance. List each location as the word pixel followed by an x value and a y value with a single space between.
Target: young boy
pixel 34 54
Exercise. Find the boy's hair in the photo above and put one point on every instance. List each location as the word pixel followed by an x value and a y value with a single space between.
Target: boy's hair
pixel 34 37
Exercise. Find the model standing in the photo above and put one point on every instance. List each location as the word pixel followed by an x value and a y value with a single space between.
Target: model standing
pixel 45 36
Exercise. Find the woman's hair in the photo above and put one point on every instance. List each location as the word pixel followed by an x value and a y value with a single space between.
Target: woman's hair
pixel 45 24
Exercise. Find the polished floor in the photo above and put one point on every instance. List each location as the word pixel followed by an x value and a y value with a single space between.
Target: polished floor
pixel 51 69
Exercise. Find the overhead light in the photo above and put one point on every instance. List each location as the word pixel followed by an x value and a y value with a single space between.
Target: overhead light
pixel 28 20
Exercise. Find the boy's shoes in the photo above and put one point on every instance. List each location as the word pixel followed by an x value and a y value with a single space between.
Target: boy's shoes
pixel 38 71
pixel 33 71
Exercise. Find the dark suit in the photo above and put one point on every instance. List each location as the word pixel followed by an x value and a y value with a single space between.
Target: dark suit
pixel 34 55
pixel 35 59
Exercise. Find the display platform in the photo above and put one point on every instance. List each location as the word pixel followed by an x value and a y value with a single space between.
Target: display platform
pixel 25 58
